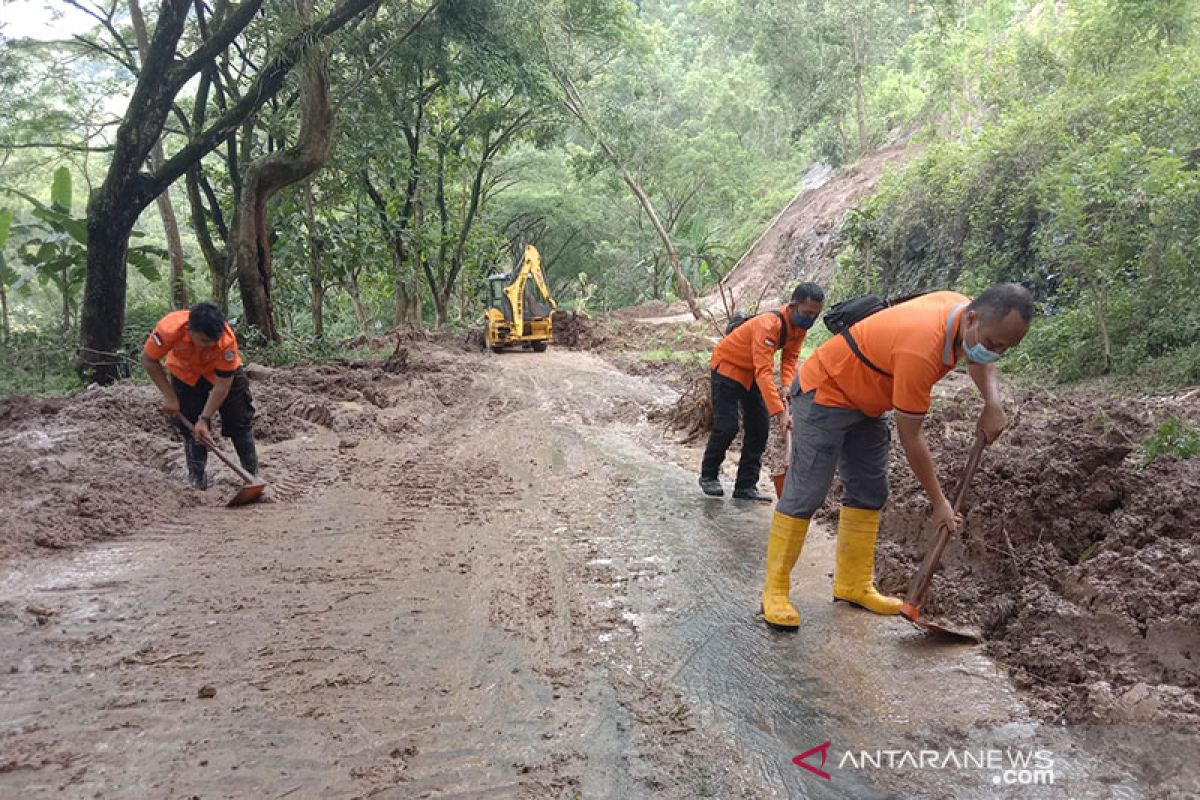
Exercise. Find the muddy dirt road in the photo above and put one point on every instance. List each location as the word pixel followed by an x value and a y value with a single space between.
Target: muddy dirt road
pixel 494 579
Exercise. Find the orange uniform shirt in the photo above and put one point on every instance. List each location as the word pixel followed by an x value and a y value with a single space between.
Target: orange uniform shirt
pixel 186 361
pixel 748 355
pixel 914 341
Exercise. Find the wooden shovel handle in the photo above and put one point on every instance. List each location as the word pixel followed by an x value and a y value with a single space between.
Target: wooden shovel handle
pixel 920 582
pixel 233 465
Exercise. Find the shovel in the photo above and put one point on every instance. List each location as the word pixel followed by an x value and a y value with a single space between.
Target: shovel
pixel 254 486
pixel 779 477
pixel 919 587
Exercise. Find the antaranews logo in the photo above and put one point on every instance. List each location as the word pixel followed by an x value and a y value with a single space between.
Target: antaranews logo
pixel 823 749
pixel 1010 767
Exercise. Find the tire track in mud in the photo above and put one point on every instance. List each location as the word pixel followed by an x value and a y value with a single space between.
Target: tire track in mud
pixel 418 617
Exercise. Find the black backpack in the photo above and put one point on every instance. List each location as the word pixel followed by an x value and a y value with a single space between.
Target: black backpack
pixel 739 318
pixel 841 316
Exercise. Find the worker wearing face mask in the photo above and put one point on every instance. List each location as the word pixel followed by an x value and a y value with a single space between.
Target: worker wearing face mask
pixel 887 360
pixel 743 378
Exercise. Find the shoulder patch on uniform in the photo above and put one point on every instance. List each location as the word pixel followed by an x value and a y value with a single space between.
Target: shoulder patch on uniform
pixel 157 339
pixel 229 355
pixel 769 341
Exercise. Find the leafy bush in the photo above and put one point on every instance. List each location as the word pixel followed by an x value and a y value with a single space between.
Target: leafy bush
pixel 1089 195
pixel 1176 437
pixel 38 363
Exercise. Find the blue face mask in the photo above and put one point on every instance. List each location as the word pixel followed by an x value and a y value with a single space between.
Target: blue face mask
pixel 980 354
pixel 801 321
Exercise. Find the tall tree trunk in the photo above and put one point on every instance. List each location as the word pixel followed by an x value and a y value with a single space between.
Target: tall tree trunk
pixel 575 105
pixel 113 208
pixel 3 305
pixel 462 296
pixel 179 289
pixel 860 114
pixel 350 284
pixel 102 320
pixel 268 174
pixel 215 258
pixel 315 278
pixel 127 189
pixel 441 303
pixel 407 290
pixel 1100 310
pixel 66 298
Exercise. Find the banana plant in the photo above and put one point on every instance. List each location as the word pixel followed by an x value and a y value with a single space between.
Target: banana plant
pixel 57 249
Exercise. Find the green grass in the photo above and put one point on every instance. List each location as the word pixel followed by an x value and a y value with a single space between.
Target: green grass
pixel 676 356
pixel 1176 437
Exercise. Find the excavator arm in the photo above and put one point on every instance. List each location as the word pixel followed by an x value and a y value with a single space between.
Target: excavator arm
pixel 515 291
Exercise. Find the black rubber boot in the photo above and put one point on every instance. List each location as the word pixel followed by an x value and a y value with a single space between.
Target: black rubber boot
pixel 711 487
pixel 243 442
pixel 197 459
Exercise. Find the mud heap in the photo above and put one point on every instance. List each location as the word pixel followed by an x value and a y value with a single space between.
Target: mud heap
pixel 105 462
pixel 572 329
pixel 1080 562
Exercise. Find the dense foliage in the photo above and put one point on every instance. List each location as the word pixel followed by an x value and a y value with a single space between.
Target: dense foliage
pixel 1081 180
pixel 1061 149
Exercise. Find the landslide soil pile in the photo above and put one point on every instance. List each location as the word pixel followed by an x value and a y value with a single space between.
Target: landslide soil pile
pixel 1080 562
pixel 104 462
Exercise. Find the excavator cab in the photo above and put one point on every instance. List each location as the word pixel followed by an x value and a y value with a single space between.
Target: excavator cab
pixel 516 314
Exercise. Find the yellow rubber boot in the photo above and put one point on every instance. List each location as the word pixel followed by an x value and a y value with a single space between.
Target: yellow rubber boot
pixel 854 574
pixel 783 548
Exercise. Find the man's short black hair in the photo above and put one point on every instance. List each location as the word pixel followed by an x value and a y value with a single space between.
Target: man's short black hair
pixel 207 319
pixel 808 291
pixel 998 301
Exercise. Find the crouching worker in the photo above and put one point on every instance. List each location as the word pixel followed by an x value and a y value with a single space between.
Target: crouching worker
pixel 206 377
pixel 888 360
pixel 743 376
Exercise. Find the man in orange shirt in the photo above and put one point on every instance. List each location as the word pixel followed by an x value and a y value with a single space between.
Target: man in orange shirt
pixel 205 377
pixel 743 366
pixel 839 407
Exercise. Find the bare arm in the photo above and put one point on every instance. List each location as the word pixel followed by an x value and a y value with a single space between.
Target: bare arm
pixel 992 420
pixel 916 449
pixel 154 369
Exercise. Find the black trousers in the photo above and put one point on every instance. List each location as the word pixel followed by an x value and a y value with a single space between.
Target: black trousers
pixel 237 412
pixel 728 396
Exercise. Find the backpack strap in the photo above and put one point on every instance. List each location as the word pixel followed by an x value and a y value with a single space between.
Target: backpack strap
pixel 782 329
pixel 862 356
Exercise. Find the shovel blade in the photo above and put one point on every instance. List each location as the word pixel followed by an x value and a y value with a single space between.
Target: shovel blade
pixel 247 494
pixel 948 630
pixel 778 481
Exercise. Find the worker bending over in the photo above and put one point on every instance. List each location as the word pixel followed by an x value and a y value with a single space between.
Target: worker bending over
pixel 839 406
pixel 206 377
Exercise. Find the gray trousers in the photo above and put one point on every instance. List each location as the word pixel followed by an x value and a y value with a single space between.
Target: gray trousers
pixel 824 439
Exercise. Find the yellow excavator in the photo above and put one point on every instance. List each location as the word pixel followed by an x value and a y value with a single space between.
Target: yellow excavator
pixel 515 315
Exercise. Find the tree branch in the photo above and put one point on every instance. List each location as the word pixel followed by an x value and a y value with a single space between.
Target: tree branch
pixel 75 148
pixel 265 86
pixel 214 45
pixel 106 20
